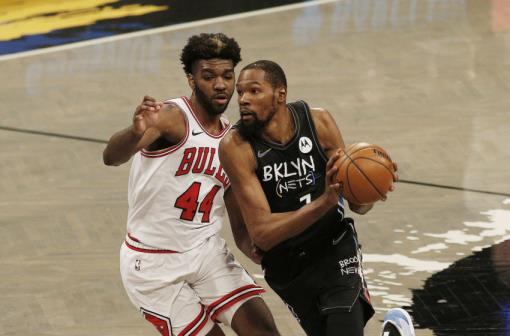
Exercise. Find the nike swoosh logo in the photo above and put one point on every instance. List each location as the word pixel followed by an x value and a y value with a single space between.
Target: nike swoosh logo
pixel 336 241
pixel 262 154
pixel 196 133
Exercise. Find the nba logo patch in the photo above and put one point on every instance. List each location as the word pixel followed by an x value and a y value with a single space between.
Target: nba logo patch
pixel 305 145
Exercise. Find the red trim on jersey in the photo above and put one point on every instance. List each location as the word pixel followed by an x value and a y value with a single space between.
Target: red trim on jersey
pixel 160 322
pixel 196 325
pixel 132 238
pixel 232 298
pixel 217 136
pixel 171 149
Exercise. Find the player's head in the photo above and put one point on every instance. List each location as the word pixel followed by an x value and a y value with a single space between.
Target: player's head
pixel 261 89
pixel 208 61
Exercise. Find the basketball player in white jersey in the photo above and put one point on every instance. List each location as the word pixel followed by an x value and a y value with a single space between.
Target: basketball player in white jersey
pixel 174 266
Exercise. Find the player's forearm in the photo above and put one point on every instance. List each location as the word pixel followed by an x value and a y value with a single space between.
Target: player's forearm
pixel 237 225
pixel 121 147
pixel 278 227
pixel 241 236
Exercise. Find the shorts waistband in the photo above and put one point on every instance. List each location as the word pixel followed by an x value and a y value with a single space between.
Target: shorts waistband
pixel 134 244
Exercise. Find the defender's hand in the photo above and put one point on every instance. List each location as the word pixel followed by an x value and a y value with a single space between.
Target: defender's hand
pixel 146 115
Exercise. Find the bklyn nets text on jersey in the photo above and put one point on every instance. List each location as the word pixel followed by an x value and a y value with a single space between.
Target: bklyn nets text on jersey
pixel 291 175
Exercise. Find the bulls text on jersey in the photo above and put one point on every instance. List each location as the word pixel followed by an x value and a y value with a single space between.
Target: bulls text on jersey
pixel 199 160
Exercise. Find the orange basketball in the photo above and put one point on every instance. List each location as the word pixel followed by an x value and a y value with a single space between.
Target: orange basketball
pixel 365 173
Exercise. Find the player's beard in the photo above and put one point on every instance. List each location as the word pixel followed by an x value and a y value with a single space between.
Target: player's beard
pixel 255 127
pixel 208 104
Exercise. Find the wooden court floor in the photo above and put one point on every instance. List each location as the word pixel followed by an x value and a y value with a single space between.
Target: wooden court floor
pixel 428 80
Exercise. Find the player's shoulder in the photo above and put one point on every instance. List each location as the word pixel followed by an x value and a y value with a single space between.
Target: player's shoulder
pixel 172 121
pixel 319 111
pixel 236 152
pixel 320 115
pixel 233 139
pixel 172 108
pixel 172 113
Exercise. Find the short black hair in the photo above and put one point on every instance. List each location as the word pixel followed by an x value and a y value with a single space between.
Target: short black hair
pixel 207 46
pixel 274 73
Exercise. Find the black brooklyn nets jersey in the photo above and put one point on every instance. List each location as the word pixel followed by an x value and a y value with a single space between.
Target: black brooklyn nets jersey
pixel 293 174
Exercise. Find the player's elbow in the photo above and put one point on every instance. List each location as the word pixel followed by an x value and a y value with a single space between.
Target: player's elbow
pixel 264 239
pixel 108 160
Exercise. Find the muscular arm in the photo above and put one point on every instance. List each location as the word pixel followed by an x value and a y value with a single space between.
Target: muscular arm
pixel 331 139
pixel 268 229
pixel 241 236
pixel 125 143
pixel 150 122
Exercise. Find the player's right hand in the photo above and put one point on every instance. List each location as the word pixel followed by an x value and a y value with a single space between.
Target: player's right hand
pixel 332 189
pixel 146 114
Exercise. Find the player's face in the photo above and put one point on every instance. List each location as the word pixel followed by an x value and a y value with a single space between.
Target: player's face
pixel 214 81
pixel 257 100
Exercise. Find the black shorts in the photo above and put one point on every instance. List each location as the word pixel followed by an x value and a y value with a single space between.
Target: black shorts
pixel 322 282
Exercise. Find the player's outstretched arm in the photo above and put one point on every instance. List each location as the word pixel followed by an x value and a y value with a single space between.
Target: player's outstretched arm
pixel 123 144
pixel 268 229
pixel 151 120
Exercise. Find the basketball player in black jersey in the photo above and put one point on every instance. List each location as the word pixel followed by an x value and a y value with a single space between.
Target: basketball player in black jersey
pixel 280 160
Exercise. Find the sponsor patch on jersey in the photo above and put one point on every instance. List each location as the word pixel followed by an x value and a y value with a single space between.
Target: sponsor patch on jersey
pixel 305 145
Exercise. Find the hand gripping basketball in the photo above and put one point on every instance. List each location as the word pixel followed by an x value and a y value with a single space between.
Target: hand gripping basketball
pixel 366 173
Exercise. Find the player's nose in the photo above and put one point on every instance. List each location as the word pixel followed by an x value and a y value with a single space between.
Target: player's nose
pixel 219 84
pixel 241 98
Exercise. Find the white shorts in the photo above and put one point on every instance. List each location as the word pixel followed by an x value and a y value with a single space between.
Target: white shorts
pixel 185 293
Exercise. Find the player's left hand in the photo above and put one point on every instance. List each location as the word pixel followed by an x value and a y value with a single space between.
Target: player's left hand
pixel 395 175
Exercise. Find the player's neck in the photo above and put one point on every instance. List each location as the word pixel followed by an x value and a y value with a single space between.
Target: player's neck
pixel 281 128
pixel 211 122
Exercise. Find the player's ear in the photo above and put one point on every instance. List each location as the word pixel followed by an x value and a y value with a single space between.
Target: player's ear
pixel 282 95
pixel 191 81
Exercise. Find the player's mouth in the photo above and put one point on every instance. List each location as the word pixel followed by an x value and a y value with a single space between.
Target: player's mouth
pixel 247 114
pixel 221 99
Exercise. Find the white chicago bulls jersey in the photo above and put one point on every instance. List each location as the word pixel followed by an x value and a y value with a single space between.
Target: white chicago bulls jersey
pixel 176 194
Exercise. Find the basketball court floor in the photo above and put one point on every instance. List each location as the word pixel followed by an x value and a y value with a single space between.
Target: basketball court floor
pixel 428 80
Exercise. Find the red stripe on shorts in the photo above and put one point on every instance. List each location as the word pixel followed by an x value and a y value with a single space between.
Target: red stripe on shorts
pixel 232 298
pixel 196 325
